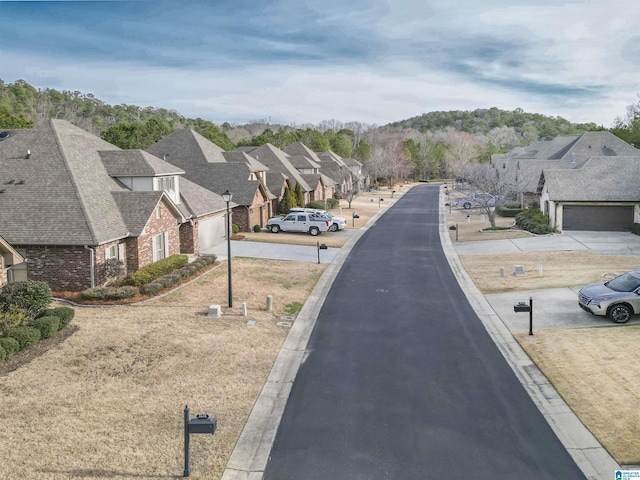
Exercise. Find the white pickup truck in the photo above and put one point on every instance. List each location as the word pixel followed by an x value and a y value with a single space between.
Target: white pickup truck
pixel 299 222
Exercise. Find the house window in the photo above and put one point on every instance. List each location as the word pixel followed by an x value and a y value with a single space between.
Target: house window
pixel 111 252
pixel 159 247
pixel 168 184
pixel 158 213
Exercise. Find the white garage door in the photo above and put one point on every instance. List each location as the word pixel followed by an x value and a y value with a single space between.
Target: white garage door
pixel 211 232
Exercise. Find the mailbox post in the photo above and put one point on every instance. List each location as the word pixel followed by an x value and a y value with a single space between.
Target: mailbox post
pixel 201 424
pixel 320 247
pixel 523 307
pixel 353 219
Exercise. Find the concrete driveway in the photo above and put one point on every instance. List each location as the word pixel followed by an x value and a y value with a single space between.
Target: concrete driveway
pixel 557 307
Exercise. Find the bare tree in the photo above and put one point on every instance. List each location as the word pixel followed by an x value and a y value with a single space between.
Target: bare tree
pixel 396 159
pixel 491 190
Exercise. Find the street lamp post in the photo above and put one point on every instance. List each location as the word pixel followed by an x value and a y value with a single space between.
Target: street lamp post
pixel 227 196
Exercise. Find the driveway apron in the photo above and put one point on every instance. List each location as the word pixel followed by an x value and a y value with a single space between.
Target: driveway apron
pixel 401 379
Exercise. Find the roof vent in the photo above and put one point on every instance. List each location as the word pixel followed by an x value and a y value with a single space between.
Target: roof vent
pixel 9 182
pixel 4 134
pixel 28 154
pixel 2 190
pixel 20 182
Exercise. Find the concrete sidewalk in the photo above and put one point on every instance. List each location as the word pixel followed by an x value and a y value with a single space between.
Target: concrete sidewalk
pixel 274 251
pixel 604 243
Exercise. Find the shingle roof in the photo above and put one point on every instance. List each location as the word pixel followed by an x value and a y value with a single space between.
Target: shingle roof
pixel 601 179
pixel 66 198
pixel 136 163
pixel 185 148
pixel 137 208
pixel 278 161
pixel 563 152
pixel 299 148
pixel 240 156
pixel 301 161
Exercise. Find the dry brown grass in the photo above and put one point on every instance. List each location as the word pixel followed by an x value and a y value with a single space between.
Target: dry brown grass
pixel 108 402
pixel 559 269
pixel 595 371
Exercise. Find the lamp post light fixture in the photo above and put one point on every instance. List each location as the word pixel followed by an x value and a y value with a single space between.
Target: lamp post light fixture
pixel 227 196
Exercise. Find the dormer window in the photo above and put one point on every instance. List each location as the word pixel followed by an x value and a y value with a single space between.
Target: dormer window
pixel 168 184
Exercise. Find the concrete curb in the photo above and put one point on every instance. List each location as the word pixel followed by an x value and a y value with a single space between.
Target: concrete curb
pixel 594 461
pixel 251 453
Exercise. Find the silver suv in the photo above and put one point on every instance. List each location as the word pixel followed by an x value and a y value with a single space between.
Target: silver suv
pixel 617 299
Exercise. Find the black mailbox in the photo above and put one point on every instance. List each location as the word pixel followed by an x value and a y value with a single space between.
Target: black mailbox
pixel 521 307
pixel 355 215
pixel 203 424
pixel 322 246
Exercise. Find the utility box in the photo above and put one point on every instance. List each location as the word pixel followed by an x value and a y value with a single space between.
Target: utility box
pixel 203 424
pixel 521 307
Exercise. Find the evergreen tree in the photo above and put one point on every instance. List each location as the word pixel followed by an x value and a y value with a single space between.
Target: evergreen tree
pixel 299 196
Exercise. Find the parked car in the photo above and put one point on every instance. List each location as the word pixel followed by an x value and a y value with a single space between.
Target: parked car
pixel 617 299
pixel 337 223
pixel 299 222
pixel 480 200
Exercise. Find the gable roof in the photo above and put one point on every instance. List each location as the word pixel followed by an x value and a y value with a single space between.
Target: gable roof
pixel 11 256
pixel 136 163
pixel 66 198
pixel 299 148
pixel 301 161
pixel 278 161
pixel 185 148
pixel 601 179
pixel 138 207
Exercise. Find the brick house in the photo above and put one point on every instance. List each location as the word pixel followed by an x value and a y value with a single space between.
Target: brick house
pixel 210 167
pixel 81 210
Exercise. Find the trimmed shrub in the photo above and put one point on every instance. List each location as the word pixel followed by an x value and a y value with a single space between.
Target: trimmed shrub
pixel 48 326
pixel 32 297
pixel 110 293
pixel 151 288
pixel 3 355
pixel 12 316
pixel 64 314
pixel 26 336
pixel 10 345
pixel 235 229
pixel 257 228
pixel 534 221
pixel 204 260
pixel 156 270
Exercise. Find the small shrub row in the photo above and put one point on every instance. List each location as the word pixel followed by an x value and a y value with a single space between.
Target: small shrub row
pixel 65 314
pixel 257 228
pixel 155 270
pixel 534 221
pixel 174 277
pixel 25 318
pixel 110 293
pixel 320 204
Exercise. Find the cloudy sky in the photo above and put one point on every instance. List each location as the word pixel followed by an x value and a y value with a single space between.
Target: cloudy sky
pixel 304 61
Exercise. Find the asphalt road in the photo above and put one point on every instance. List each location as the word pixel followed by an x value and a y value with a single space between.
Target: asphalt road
pixel 401 380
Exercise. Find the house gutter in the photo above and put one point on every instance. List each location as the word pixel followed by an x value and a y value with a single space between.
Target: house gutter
pixel 92 266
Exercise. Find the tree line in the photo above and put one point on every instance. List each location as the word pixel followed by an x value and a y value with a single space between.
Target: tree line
pixel 421 148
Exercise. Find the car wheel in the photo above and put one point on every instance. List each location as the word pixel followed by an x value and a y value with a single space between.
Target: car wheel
pixel 333 227
pixel 275 228
pixel 467 205
pixel 620 313
pixel 313 231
